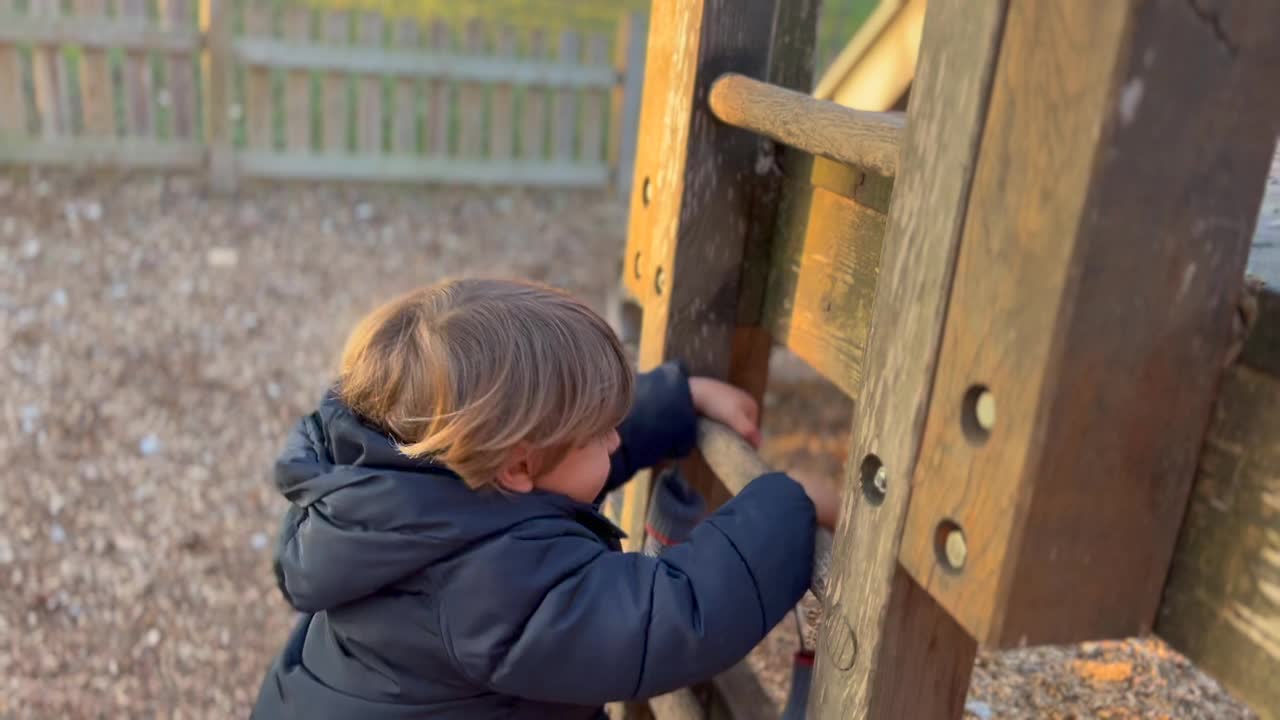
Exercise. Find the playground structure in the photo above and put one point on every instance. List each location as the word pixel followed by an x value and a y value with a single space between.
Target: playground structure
pixel 1067 416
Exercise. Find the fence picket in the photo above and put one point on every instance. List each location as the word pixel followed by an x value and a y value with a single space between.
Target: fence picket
pixel 44 75
pixel 533 131
pixel 137 79
pixel 13 115
pixel 370 108
pixel 297 84
pixel 97 93
pixel 257 86
pixel 591 136
pixel 501 137
pixel 441 94
pixel 181 73
pixel 405 94
pixel 471 99
pixel 566 109
pixel 336 33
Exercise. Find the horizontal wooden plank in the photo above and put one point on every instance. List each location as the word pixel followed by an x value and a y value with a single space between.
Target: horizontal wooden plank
pixel 461 68
pixel 822 281
pixel 1221 605
pixel 407 168
pixel 130 34
pixel 870 140
pixel 102 152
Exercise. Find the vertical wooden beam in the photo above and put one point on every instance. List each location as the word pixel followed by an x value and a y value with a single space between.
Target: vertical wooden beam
pixel 97 93
pixel 887 650
pixel 691 212
pixel 369 102
pixel 219 119
pixel 1221 607
pixel 297 84
pixel 337 109
pixel 1091 312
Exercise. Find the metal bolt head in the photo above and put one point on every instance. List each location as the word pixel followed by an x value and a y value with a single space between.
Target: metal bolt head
pixel 881 480
pixel 659 280
pixel 985 410
pixel 956 549
pixel 646 191
pixel 635 268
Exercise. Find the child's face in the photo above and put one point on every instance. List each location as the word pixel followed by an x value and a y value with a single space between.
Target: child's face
pixel 582 473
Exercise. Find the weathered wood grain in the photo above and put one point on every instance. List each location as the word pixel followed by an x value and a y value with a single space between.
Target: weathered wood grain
pixel 869 140
pixel 1094 298
pixel 887 650
pixel 1221 605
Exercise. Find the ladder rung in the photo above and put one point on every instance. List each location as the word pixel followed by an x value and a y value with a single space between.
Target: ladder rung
pixel 870 140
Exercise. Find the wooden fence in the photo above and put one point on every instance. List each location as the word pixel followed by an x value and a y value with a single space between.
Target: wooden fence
pixel 261 90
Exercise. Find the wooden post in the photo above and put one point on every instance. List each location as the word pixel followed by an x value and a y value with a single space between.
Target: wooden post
pixel 404 130
pixel 533 131
pixel 565 115
pixel 138 80
pixel 45 75
pixel 471 98
pixel 218 107
pixel 369 102
pixel 887 650
pixel 591 134
pixel 502 107
pixel 259 101
pixel 1091 312
pixel 1220 608
pixel 440 110
pixel 337 109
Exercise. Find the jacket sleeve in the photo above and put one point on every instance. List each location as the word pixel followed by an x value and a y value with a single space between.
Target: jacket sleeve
pixel 591 626
pixel 662 424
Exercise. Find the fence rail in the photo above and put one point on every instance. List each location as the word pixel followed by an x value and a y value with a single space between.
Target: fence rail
pixel 259 90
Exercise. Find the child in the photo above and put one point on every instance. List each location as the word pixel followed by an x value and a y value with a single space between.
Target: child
pixel 444 541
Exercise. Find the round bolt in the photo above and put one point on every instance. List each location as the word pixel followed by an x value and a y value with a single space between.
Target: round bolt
pixel 646 192
pixel 659 280
pixel 874 480
pixel 985 410
pixel 881 480
pixel 635 268
pixel 956 549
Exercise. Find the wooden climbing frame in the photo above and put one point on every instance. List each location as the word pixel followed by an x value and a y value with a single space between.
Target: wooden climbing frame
pixel 1032 285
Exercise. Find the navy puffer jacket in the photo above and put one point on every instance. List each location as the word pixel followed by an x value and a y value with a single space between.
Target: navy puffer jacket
pixel 422 598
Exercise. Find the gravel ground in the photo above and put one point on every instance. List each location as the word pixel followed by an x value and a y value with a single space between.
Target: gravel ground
pixel 158 343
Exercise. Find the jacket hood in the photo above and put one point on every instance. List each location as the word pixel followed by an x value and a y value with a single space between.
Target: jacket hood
pixel 363 516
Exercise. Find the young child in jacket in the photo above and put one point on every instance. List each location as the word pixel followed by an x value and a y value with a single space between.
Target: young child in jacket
pixel 443 539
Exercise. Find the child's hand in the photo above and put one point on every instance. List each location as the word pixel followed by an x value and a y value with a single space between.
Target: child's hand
pixel 825 497
pixel 727 404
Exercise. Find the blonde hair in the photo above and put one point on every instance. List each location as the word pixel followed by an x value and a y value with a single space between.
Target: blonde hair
pixel 462 371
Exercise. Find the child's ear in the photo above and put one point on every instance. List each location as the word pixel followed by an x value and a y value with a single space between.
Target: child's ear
pixel 517 474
